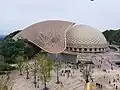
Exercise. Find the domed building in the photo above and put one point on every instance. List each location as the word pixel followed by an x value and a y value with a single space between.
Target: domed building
pixel 70 41
pixel 82 43
pixel 85 39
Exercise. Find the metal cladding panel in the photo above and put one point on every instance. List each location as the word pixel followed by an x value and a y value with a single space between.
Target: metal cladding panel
pixel 48 35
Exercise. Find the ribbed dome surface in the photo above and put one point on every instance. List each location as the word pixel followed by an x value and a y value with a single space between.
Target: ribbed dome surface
pixel 85 36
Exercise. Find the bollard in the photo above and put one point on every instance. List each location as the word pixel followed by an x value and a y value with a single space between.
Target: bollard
pixel 88 86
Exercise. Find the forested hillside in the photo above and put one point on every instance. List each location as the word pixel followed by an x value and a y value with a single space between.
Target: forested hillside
pixel 112 36
pixel 9 48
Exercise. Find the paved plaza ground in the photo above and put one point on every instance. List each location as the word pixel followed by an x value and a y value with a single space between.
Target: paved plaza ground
pixel 74 82
pixel 109 79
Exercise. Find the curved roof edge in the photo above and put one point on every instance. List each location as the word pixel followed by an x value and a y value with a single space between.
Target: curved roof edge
pixel 49 35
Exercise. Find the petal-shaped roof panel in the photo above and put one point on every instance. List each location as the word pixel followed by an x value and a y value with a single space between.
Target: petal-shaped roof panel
pixel 49 35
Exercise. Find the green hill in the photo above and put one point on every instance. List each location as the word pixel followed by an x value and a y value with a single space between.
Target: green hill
pixel 112 36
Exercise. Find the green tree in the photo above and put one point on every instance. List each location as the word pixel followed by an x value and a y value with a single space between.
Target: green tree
pixel 29 50
pixel 117 37
pixel 10 49
pixel 20 63
pixel 86 70
pixel 44 68
pixel 110 35
pixel 57 68
pixel 27 67
pixel 35 71
pixel 5 68
pixel 2 65
pixel 5 84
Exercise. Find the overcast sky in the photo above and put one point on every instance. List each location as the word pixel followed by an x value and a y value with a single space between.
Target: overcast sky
pixel 18 14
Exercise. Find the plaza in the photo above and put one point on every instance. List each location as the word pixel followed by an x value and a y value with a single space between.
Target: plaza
pixel 74 82
pixel 73 44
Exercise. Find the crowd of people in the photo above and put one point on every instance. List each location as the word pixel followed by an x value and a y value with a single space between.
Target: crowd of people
pixel 112 82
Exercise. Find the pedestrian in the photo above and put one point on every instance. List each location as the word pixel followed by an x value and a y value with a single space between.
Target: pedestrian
pixel 35 85
pixel 118 79
pixel 62 71
pixel 104 76
pixel 38 80
pixel 61 84
pixel 38 86
pixel 111 68
pixel 101 86
pixel 113 80
pixel 92 80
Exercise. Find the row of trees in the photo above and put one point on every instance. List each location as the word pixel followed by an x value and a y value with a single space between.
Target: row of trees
pixel 19 53
pixel 44 65
pixel 5 84
pixel 43 69
pixel 41 66
pixel 10 49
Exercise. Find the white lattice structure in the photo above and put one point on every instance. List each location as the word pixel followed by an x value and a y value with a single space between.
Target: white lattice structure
pixel 56 35
pixel 49 35
pixel 83 38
